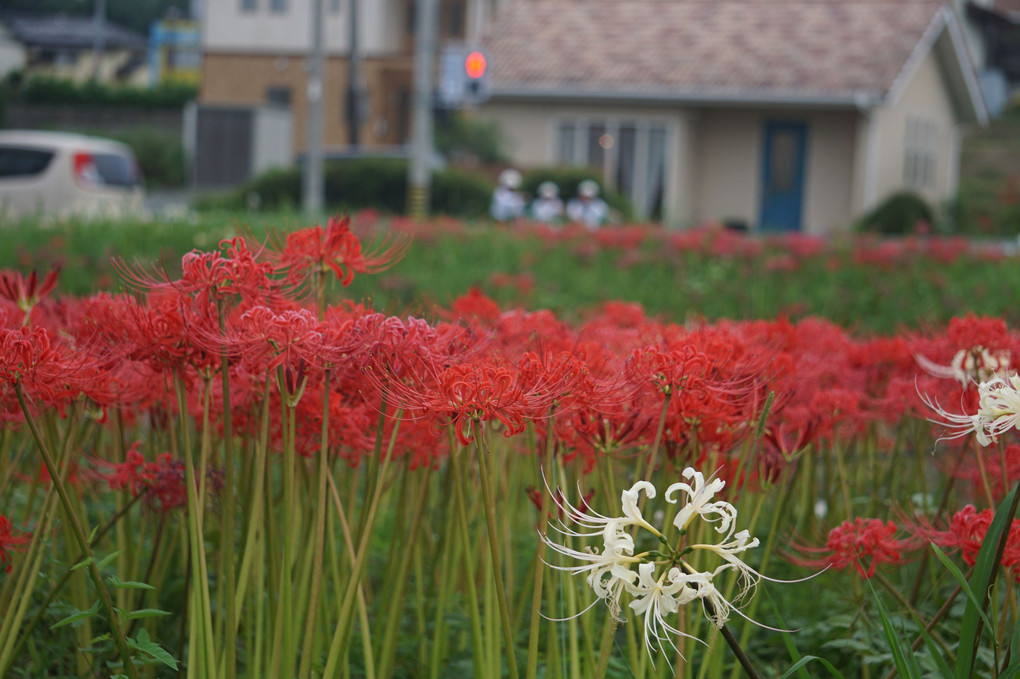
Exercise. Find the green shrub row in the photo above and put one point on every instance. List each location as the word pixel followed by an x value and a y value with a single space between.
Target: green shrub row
pixel 49 90
pixel 381 183
pixel 353 184
pixel 159 153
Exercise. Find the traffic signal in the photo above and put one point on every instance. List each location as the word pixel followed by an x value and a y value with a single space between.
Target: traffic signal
pixel 476 81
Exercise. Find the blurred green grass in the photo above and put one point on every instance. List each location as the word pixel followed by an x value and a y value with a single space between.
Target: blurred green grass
pixel 569 277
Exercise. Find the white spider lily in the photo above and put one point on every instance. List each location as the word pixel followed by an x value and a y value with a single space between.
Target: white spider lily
pixel 664 581
pixel 969 365
pixel 699 501
pixel 998 411
pixel 658 598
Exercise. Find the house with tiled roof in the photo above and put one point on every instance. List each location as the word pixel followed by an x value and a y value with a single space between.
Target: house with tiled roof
pixel 771 113
pixel 64 46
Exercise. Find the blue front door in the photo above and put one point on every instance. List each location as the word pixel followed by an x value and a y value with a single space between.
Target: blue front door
pixel 783 176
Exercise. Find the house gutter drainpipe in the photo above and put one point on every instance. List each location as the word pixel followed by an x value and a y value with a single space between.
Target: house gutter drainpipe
pixel 353 81
pixel 421 132
pixel 313 184
pixel 99 39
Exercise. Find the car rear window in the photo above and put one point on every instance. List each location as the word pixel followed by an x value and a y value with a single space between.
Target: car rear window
pixel 22 162
pixel 116 170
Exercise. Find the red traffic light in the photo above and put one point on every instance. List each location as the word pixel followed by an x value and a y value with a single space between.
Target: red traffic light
pixel 474 65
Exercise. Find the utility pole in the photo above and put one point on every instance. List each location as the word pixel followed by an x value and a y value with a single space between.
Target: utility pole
pixel 421 131
pixel 313 184
pixel 98 38
pixel 354 81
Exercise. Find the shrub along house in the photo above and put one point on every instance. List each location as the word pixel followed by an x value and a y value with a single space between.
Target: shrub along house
pixel 778 115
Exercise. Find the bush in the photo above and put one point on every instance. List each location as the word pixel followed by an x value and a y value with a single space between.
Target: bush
pixel 49 90
pixel 900 213
pixel 567 179
pixel 459 136
pixel 352 184
pixel 160 154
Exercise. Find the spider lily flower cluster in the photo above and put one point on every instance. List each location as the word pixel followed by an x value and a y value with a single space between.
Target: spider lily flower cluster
pixel 661 580
pixel 998 411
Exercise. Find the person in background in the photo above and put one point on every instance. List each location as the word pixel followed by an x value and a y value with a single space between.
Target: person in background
pixel 507 202
pixel 587 208
pixel 547 207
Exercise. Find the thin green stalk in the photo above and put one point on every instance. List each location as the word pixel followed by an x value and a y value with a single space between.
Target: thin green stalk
pixel 339 641
pixel 229 574
pixel 399 583
pixel 319 533
pixel 489 504
pixel 477 652
pixel 79 536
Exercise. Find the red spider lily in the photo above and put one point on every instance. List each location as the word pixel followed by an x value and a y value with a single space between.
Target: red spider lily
pixel 48 374
pixel 966 533
pixel 862 543
pixel 264 339
pixel 135 473
pixel 334 248
pixel 463 396
pixel 475 305
pixel 26 293
pixel 9 541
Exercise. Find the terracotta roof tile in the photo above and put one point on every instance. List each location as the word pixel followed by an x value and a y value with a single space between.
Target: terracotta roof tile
pixel 806 48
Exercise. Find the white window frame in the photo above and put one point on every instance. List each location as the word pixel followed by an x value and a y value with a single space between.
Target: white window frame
pixel 920 152
pixel 642 126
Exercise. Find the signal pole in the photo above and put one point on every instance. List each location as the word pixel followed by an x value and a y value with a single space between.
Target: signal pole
pixel 421 131
pixel 313 182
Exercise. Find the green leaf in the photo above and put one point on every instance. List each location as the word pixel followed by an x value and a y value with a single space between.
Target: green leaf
pixel 961 580
pixel 143 613
pixel 82 564
pixel 108 559
pixel 899 654
pixel 75 617
pixel 980 581
pixel 803 662
pixel 143 643
pixel 127 584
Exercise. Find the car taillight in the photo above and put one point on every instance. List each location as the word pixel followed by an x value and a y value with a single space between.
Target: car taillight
pixel 85 171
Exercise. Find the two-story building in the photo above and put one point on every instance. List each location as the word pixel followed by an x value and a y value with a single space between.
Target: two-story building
pixel 255 51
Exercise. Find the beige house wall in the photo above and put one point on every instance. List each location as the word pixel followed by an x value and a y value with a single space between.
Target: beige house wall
pixel 714 160
pixel 729 164
pixel 924 97
pixel 244 79
pixel 529 133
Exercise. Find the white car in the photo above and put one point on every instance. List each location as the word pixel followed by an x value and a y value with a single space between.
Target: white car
pixel 60 175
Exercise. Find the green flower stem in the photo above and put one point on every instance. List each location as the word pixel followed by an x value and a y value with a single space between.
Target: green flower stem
pixel 477 650
pixel 345 530
pixel 399 583
pixel 319 532
pixel 79 536
pixel 647 476
pixel 229 573
pixel 488 502
pixel 448 551
pixel 17 591
pixel 202 659
pixel 338 644
pixel 543 521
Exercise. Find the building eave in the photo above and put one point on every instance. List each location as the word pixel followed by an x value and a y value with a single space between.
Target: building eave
pixel 661 97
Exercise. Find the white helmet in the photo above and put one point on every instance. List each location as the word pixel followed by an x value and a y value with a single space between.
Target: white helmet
pixel 548 190
pixel 510 179
pixel 588 188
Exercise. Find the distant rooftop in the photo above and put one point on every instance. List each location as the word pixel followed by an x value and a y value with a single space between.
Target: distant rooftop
pixel 62 31
pixel 838 49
